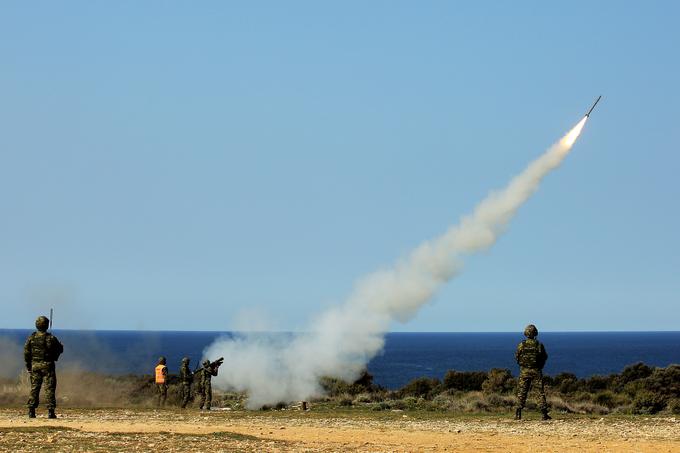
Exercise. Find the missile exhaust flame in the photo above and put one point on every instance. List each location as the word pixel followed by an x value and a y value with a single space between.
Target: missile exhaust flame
pixel 573 134
pixel 343 339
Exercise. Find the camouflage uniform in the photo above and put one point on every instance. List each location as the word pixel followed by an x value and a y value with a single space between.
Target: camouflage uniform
pixel 186 377
pixel 206 374
pixel 41 350
pixel 531 357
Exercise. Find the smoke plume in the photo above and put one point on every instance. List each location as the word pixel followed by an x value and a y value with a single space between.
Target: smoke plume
pixel 343 339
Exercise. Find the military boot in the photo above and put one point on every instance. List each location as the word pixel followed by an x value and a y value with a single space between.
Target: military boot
pixel 518 413
pixel 545 415
pixel 31 412
pixel 51 414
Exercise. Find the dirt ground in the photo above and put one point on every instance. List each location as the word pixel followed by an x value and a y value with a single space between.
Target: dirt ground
pixel 328 431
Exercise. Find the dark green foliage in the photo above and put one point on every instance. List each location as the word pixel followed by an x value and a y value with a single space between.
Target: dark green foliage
pixel 674 406
pixel 464 381
pixel 334 386
pixel 345 402
pixel 565 383
pixel 597 383
pixel 664 381
pixel 498 380
pixel 420 387
pixel 609 399
pixel 635 372
pixel 639 389
pixel 646 402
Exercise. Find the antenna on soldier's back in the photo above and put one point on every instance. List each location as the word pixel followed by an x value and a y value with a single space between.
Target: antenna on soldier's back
pixel 51 316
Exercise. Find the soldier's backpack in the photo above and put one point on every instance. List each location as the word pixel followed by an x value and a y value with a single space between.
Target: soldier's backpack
pixel 530 355
pixel 45 347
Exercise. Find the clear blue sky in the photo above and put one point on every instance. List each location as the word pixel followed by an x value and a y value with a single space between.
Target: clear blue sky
pixel 168 165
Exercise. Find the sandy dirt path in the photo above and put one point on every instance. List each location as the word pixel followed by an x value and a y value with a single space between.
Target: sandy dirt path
pixel 145 430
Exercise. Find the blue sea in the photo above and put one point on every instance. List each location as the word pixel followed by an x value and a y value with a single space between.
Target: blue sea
pixel 405 356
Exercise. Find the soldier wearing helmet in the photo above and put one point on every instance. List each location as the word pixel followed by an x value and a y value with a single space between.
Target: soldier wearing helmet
pixel 41 350
pixel 161 374
pixel 206 373
pixel 531 357
pixel 186 378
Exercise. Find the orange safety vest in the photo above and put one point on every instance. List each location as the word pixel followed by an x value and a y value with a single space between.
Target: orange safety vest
pixel 161 371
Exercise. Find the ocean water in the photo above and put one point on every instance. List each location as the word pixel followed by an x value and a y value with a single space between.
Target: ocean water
pixel 405 356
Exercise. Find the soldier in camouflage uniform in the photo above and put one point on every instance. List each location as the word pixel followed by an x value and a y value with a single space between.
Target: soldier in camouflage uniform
pixel 41 350
pixel 186 377
pixel 206 374
pixel 531 357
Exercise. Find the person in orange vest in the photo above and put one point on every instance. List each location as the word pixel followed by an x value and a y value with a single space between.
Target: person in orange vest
pixel 162 381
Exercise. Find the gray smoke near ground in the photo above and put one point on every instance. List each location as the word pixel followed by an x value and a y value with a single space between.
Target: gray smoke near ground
pixel 11 358
pixel 343 339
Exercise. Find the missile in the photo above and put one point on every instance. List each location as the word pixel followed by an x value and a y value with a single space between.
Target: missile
pixel 591 108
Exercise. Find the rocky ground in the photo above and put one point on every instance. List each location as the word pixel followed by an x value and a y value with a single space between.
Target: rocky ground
pixel 328 430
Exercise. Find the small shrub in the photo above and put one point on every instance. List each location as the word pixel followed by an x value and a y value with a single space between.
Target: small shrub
pixel 497 401
pixel 597 383
pixel 566 383
pixel 646 402
pixel 364 398
pixel 345 402
pixel 673 406
pixel 499 380
pixel 413 403
pixel 381 406
pixel 333 386
pixel 466 381
pixel 635 372
pixel 420 387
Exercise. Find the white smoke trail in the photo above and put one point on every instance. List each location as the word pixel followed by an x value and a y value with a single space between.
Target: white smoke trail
pixel 343 339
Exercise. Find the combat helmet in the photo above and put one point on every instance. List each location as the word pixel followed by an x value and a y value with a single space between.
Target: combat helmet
pixel 42 323
pixel 206 363
pixel 185 360
pixel 530 331
pixel 161 360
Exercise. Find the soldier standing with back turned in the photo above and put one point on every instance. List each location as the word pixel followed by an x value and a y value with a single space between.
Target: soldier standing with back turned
pixel 161 374
pixel 41 350
pixel 186 377
pixel 531 357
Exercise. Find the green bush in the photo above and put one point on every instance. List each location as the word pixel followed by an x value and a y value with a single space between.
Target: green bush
pixel 635 372
pixel 646 402
pixel 606 399
pixel 673 406
pixel 597 383
pixel 345 402
pixel 664 381
pixel 499 380
pixel 566 383
pixel 466 381
pixel 333 386
pixel 381 406
pixel 420 387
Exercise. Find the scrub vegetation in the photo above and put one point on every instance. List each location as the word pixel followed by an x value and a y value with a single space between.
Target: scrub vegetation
pixel 638 389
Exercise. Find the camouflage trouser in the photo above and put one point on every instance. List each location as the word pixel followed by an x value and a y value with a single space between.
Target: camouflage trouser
pixel 43 371
pixel 527 377
pixel 162 393
pixel 185 393
pixel 206 395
